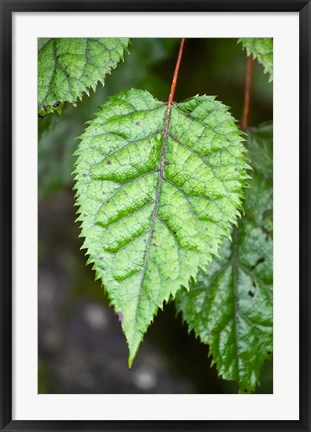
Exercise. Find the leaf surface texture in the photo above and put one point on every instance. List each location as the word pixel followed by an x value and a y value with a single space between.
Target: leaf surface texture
pixel 229 307
pixel 68 67
pixel 155 204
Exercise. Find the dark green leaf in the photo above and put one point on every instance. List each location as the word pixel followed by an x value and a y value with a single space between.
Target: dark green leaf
pixel 69 67
pixel 230 306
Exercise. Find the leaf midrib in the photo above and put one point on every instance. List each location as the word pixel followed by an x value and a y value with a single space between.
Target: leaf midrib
pixel 156 204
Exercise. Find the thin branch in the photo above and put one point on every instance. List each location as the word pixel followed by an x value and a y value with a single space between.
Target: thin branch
pixel 247 93
pixel 173 86
pixel 169 104
pixel 174 82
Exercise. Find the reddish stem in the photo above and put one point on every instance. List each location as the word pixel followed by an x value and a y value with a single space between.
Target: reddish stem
pixel 174 82
pixel 247 93
pixel 173 86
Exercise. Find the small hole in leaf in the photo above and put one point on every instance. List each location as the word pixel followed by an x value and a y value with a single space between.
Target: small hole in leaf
pixel 137 123
pixel 259 261
pixel 101 258
pixel 109 162
pixel 187 115
pixel 84 175
pixel 250 293
pixel 166 162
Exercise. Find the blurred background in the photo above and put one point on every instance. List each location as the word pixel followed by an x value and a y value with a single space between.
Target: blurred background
pixel 81 345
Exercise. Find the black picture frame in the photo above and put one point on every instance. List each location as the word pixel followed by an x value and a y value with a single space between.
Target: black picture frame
pixel 7 10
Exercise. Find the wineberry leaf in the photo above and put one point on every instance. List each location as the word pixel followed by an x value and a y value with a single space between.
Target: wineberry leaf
pixel 155 202
pixel 229 307
pixel 68 67
pixel 262 50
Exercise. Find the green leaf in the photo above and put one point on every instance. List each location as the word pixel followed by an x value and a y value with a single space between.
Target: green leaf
pixel 230 306
pixel 154 205
pixel 262 50
pixel 68 67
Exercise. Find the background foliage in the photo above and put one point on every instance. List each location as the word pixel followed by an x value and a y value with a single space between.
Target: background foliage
pixel 81 347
